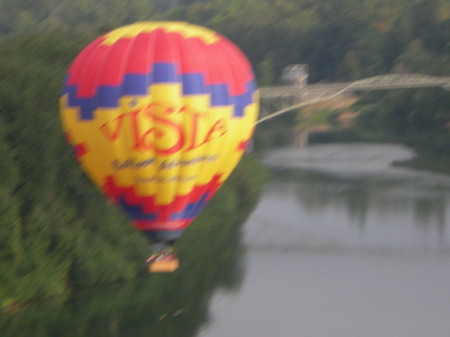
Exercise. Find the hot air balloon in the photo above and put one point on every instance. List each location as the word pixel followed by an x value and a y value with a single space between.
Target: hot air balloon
pixel 158 115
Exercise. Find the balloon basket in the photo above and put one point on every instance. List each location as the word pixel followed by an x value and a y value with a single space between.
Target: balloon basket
pixel 163 266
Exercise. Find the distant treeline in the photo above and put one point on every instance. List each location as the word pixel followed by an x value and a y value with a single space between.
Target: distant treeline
pixel 338 39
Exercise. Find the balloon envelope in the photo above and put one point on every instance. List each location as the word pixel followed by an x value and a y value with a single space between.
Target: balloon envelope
pixel 159 114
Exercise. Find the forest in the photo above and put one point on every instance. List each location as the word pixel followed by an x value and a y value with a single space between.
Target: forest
pixel 57 233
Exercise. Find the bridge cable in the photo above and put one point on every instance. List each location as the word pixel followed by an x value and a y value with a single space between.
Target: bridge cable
pixel 318 99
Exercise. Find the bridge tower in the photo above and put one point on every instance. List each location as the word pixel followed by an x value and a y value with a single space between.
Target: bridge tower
pixel 296 75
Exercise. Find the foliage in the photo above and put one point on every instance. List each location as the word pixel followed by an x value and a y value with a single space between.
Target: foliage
pixel 405 115
pixel 57 232
pixel 278 132
pixel 209 253
pixel 339 39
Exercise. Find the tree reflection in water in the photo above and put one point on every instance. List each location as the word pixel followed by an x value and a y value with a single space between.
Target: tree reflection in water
pixel 388 211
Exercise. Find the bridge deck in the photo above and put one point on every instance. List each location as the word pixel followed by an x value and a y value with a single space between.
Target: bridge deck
pixel 384 82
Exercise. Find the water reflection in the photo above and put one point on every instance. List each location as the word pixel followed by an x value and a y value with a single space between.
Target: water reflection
pixel 331 194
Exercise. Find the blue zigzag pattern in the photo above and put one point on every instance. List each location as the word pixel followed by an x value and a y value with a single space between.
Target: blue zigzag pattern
pixel 137 84
pixel 190 211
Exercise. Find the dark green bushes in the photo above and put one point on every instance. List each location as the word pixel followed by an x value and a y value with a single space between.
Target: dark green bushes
pixel 57 232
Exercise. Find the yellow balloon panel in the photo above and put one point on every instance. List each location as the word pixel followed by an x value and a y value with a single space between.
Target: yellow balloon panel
pixel 157 146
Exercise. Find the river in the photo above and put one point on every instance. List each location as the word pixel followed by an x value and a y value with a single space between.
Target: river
pixel 343 243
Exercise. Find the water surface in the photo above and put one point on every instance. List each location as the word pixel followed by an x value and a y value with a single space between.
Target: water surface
pixel 343 243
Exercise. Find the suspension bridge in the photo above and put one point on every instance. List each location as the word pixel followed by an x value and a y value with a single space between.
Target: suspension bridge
pixel 298 96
